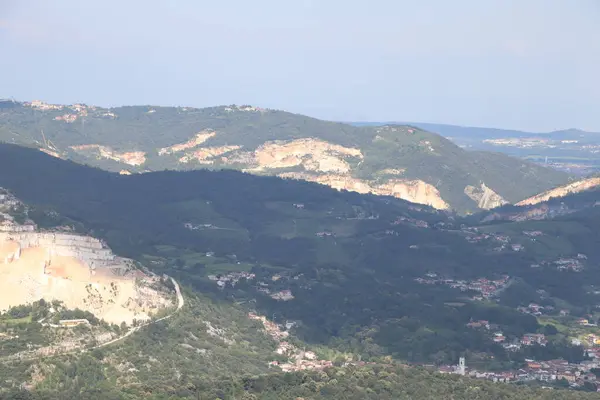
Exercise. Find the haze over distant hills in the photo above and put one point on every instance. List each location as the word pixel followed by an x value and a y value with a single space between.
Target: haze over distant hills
pixel 573 150
pixel 396 160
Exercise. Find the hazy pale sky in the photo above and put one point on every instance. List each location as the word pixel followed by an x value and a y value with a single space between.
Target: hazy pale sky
pixel 524 64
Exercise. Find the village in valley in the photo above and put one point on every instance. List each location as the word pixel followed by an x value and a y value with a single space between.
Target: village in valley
pixel 581 330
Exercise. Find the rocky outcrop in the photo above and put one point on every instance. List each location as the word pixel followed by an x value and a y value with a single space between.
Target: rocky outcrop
pixel 50 153
pixel 561 191
pixel 485 197
pixel 196 141
pixel 312 154
pixel 415 191
pixel 80 271
pixel 90 251
pixel 133 158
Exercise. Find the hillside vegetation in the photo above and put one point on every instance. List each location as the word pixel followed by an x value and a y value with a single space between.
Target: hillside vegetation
pixel 357 254
pixel 396 160
pixel 356 276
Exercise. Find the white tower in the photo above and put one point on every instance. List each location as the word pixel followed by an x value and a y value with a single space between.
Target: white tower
pixel 461 366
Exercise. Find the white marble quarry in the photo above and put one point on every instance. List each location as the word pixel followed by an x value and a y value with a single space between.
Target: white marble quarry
pixel 89 250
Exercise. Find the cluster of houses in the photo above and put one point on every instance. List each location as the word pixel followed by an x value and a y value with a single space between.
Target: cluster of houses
pixel 82 110
pixel 283 295
pixel 571 264
pixel 297 359
pixel 486 287
pixel 575 264
pixel 233 278
pixel 411 221
pixel 502 239
pixel 497 336
pixel 302 364
pixel 40 105
pixel 545 371
pixel 529 339
pixel 536 309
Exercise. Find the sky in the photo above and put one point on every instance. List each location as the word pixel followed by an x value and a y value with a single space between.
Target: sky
pixel 517 64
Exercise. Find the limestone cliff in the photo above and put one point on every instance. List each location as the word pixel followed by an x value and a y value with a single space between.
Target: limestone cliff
pixel 196 141
pixel 312 154
pixel 485 197
pixel 561 191
pixel 415 191
pixel 78 270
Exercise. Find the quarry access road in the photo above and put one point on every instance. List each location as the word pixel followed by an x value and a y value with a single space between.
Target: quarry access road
pixel 180 304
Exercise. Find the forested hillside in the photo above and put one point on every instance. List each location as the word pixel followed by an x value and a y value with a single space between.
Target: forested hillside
pixel 353 271
pixel 396 160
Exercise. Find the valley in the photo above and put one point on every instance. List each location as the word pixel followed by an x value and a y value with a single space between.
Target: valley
pixel 228 201
pixel 401 282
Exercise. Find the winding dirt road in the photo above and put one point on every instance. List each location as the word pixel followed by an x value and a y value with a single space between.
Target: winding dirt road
pixel 180 304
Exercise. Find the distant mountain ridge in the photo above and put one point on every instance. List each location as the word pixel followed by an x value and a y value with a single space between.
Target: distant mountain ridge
pixel 575 151
pixel 395 160
pixel 478 132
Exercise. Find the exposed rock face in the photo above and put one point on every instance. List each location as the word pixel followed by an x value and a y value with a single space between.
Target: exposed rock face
pixel 485 197
pixel 50 153
pixel 415 191
pixel 88 250
pixel 133 158
pixel 561 191
pixel 313 154
pixel 197 140
pixel 78 270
